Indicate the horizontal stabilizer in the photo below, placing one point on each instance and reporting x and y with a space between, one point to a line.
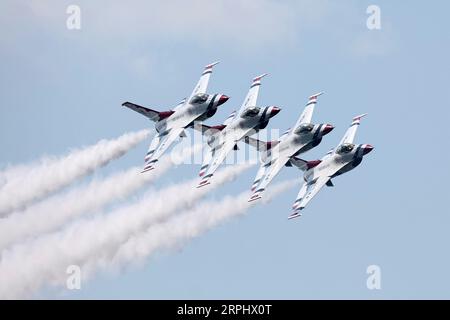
208 130
259 144
149 113
303 164
299 163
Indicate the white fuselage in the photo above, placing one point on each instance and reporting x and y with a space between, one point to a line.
240 127
292 144
335 164
185 114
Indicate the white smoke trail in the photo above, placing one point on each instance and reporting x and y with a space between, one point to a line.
53 212
26 184
179 229
25 267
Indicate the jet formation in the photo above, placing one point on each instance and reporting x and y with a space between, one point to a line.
222 139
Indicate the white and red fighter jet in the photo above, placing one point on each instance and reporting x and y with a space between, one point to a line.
171 124
318 173
224 138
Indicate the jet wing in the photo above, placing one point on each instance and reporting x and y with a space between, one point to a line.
351 131
307 113
202 84
307 192
159 145
252 95
265 175
259 177
216 157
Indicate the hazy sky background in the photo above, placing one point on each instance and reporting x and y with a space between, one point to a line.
62 89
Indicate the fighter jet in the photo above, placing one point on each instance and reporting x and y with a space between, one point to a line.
277 154
345 157
224 138
171 124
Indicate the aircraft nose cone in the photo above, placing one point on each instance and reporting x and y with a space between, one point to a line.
368 148
327 129
275 111
223 98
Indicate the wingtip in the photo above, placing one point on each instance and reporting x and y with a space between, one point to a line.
359 117
147 169
251 200
212 64
314 96
260 77
254 198
202 184
294 215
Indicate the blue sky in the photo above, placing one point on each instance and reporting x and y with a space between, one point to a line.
63 88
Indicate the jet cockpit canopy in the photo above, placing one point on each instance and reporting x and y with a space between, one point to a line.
304 128
345 148
199 98
251 112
